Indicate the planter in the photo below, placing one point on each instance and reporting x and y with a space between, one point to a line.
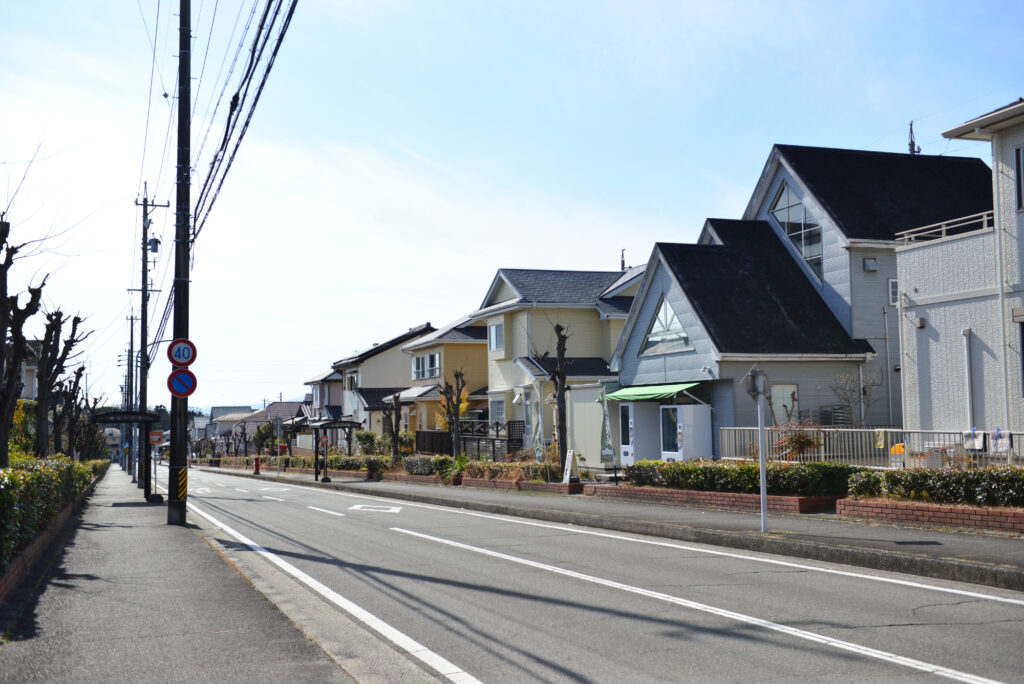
524 485
687 497
935 515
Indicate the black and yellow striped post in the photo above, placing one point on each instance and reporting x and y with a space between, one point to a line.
177 485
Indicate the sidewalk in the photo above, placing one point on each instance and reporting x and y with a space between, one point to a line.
133 599
992 559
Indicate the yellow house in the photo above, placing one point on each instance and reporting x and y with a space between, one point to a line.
462 346
520 310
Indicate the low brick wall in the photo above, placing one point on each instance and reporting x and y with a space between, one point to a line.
934 514
686 497
415 479
523 485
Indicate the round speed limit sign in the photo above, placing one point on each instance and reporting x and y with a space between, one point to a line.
181 352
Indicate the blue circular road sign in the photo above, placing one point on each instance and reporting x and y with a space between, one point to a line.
181 382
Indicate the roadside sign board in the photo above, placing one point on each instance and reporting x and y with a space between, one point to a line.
181 382
156 436
181 352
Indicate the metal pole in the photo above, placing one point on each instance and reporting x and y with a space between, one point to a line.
143 341
132 465
762 446
177 486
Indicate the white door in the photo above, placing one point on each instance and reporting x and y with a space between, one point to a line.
626 434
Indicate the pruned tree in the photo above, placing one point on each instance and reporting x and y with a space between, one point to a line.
13 345
53 356
856 392
451 404
74 406
392 419
558 375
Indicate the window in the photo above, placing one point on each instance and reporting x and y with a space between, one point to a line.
316 395
427 366
351 383
1018 181
894 292
803 231
666 334
625 434
496 337
497 410
784 403
669 429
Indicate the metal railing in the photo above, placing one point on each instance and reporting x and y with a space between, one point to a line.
959 226
878 448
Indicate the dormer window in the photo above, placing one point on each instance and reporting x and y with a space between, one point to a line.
803 231
666 334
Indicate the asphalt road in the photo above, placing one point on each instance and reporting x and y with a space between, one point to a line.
469 595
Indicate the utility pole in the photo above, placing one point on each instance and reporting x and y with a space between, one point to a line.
147 448
130 362
177 483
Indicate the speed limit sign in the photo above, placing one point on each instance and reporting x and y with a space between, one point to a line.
181 352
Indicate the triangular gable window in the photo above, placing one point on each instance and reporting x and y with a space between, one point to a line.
803 231
666 334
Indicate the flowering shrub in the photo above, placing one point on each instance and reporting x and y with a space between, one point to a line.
991 486
784 479
32 492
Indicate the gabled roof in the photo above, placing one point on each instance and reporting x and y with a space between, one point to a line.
874 195
327 376
373 397
459 331
218 411
624 280
283 410
982 127
576 367
752 297
369 353
534 286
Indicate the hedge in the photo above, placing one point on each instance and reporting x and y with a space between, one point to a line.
543 472
991 486
784 479
33 492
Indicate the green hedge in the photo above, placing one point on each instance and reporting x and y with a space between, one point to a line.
33 492
992 486
490 470
784 479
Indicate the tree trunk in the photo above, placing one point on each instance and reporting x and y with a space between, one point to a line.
561 333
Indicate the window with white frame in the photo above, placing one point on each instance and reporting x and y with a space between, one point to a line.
894 292
496 337
426 366
799 226
666 334
497 411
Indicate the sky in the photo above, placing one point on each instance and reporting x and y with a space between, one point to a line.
402 152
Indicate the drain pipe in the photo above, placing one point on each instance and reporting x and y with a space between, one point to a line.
966 332
999 275
888 361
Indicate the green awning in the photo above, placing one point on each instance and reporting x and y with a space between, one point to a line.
650 392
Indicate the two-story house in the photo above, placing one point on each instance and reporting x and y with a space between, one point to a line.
520 310
459 346
804 286
961 295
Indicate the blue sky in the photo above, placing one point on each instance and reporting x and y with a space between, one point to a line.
404 151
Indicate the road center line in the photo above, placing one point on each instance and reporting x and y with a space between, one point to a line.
415 649
241 490
721 612
272 498
685 547
324 510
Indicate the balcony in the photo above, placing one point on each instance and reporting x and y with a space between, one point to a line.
959 226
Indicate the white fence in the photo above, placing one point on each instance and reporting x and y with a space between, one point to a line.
880 448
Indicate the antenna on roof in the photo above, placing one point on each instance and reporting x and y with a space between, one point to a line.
914 149
622 260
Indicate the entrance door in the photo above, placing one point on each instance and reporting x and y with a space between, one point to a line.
626 434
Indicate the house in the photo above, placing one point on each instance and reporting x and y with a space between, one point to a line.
459 346
374 374
962 299
212 427
804 286
221 427
520 310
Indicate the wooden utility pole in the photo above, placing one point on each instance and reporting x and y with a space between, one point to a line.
177 484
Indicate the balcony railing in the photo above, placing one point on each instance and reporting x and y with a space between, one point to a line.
960 226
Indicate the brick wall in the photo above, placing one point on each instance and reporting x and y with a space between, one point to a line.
934 515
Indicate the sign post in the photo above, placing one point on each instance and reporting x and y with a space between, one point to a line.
756 384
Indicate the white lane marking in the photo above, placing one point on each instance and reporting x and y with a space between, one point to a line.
721 612
684 547
375 509
241 490
324 510
273 489
272 498
417 650
219 484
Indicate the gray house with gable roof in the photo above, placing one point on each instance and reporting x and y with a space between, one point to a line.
805 286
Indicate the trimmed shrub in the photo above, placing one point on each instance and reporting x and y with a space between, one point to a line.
784 479
374 464
367 440
418 465
991 486
541 472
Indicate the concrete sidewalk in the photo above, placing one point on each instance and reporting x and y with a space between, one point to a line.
993 559
133 599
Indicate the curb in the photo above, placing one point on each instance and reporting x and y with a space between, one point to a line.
1005 577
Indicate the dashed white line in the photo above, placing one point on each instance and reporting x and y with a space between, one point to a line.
272 498
324 510
721 612
241 490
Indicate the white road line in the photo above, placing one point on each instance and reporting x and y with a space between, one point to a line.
241 490
684 547
324 510
220 485
417 650
721 612
272 498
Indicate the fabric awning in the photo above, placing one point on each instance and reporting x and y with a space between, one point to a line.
650 392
